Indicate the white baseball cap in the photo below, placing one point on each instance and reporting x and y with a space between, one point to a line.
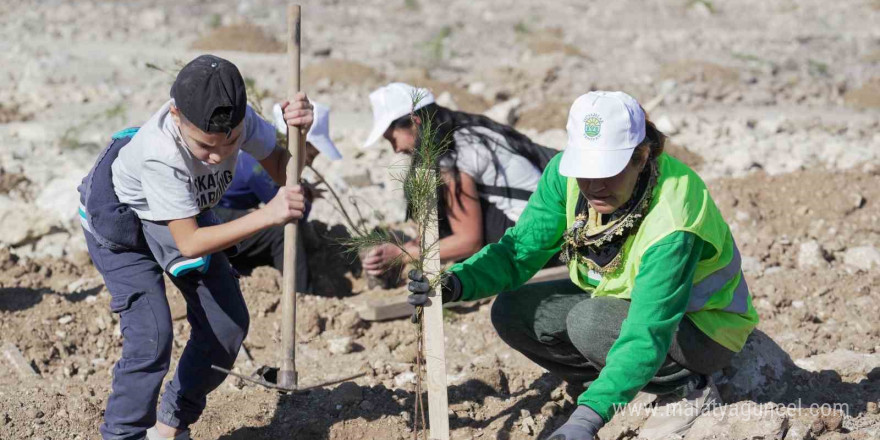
392 102
604 128
319 134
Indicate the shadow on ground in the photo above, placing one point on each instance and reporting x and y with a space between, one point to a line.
312 415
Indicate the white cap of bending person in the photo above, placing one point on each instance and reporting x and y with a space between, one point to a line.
604 128
319 134
392 102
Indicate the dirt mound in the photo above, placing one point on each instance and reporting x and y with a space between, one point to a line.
702 71
341 72
864 97
547 116
242 37
12 113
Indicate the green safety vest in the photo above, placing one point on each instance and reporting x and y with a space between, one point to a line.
720 304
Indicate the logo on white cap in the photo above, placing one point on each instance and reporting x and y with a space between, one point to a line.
392 102
592 126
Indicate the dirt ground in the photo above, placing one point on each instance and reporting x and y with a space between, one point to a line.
775 104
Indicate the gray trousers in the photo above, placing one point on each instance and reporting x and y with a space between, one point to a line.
563 329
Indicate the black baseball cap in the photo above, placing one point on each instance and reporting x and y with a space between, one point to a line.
205 85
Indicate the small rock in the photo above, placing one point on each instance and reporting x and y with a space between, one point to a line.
36 414
665 125
798 431
817 427
505 112
760 370
341 345
862 258
844 362
404 379
495 378
810 255
366 405
528 425
770 425
873 408
310 324
5 419
858 201
349 323
66 319
833 422
348 393
405 416
550 409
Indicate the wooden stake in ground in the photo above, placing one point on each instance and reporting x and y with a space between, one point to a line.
435 350
287 375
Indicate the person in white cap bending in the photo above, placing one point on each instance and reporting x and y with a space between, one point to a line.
656 299
252 185
489 171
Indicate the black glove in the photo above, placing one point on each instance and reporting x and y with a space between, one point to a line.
419 287
583 424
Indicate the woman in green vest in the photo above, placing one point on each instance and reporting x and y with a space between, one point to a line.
656 299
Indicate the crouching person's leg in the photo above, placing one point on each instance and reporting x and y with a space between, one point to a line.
682 383
532 321
219 319
137 293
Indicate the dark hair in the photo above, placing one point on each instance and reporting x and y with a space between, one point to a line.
445 122
221 120
655 140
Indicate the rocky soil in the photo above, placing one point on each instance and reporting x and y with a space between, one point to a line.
777 105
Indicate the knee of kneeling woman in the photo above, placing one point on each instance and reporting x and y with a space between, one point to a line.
502 316
594 324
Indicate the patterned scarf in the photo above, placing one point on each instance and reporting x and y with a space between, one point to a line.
599 244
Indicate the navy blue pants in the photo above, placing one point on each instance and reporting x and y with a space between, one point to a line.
219 319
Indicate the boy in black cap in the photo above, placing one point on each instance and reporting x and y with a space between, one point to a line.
145 210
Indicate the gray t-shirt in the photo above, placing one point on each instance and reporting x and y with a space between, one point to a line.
160 179
493 166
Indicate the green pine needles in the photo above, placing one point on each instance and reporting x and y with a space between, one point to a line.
420 183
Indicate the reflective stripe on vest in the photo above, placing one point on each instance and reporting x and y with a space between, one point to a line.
703 291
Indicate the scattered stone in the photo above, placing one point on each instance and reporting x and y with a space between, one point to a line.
817 427
798 431
761 424
811 255
844 362
21 223
5 419
873 408
494 378
761 370
665 125
404 379
862 258
349 323
505 112
550 409
66 319
528 425
833 421
347 393
311 324
341 345
366 405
